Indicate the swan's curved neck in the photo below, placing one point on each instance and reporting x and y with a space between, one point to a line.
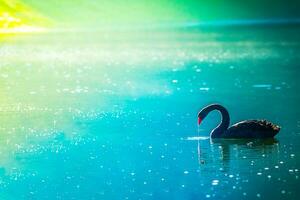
225 120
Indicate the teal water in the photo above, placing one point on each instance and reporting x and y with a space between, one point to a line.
105 115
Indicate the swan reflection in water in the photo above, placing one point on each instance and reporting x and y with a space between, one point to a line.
219 152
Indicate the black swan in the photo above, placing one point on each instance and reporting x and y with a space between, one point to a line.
243 129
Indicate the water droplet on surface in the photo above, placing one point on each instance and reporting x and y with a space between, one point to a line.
258 195
215 182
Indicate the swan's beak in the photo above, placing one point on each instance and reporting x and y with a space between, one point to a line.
199 120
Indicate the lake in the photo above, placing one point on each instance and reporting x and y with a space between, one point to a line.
113 114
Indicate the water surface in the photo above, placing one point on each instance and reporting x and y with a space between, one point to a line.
100 115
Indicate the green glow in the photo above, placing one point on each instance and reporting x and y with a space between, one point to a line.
130 12
118 13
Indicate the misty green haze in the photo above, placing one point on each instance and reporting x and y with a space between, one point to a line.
118 12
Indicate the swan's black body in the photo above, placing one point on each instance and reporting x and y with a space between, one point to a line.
243 129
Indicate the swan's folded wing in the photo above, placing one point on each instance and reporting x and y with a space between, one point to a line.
253 128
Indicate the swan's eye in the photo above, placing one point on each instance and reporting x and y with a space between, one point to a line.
199 120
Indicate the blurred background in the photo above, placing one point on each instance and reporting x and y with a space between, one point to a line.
101 14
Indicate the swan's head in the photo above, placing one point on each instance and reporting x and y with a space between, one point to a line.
202 114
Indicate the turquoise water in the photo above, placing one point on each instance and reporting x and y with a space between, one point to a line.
104 115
